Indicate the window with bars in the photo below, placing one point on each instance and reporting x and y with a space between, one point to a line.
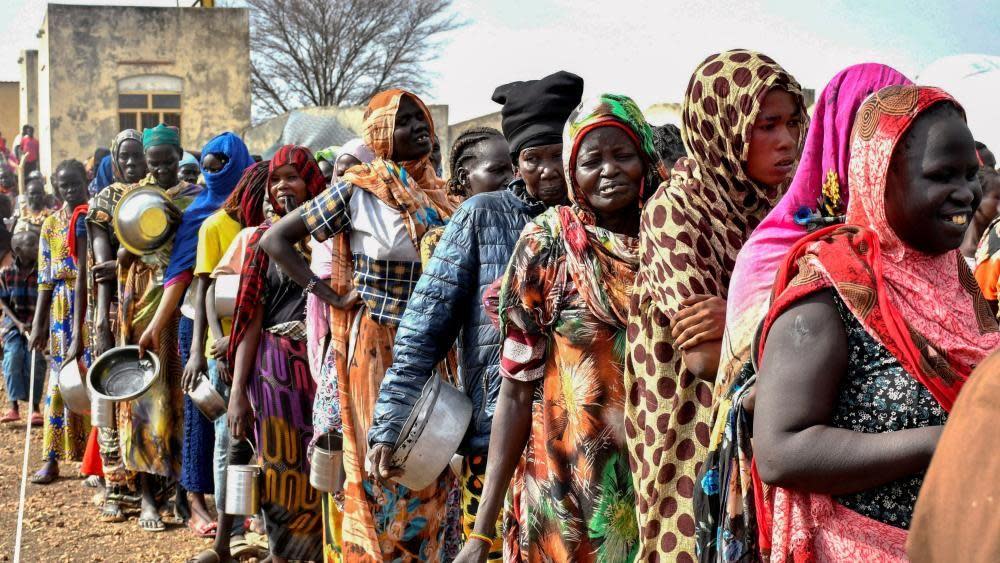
142 110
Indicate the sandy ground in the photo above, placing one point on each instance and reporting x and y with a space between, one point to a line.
61 522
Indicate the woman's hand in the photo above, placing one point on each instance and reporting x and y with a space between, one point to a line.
220 348
239 415
39 338
347 301
222 366
196 365
381 457
475 551
74 351
150 339
702 318
106 271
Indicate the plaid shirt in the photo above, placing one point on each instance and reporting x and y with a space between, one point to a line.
383 285
19 289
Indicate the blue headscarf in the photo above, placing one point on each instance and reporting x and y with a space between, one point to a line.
218 186
104 177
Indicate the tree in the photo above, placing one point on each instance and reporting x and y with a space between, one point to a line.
337 52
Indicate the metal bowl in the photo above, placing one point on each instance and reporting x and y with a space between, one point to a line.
207 399
120 375
144 220
425 449
74 388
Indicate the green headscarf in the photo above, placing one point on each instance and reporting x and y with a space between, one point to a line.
160 135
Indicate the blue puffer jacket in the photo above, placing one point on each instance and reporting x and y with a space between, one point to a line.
447 303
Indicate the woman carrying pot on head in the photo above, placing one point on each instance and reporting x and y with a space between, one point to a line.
385 207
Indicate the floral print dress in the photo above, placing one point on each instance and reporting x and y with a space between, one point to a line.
571 496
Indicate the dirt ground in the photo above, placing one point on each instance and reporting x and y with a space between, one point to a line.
61 522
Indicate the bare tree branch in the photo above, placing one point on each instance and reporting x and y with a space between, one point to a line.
340 52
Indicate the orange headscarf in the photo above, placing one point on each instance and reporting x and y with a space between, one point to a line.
412 187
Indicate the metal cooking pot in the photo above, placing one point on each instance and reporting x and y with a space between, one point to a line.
207 399
102 413
226 287
145 219
120 375
425 449
326 468
74 388
243 489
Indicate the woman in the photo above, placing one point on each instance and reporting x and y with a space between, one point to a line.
52 330
479 163
128 166
224 159
563 310
892 324
743 126
386 207
271 371
150 427
817 197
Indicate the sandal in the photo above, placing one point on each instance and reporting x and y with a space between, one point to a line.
111 512
207 556
152 524
240 549
10 416
37 420
43 477
206 530
94 482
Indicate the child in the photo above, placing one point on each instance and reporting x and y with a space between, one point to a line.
18 293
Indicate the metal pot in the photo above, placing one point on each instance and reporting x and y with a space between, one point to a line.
226 287
102 413
120 375
207 399
74 389
326 471
243 489
145 219
425 449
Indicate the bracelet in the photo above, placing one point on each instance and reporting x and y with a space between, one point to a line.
483 537
311 285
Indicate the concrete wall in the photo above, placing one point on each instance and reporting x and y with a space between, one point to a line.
10 111
28 105
86 50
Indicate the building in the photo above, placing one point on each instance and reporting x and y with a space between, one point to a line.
10 117
101 69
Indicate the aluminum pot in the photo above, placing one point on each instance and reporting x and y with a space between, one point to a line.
207 399
102 413
243 489
145 219
424 448
226 287
326 470
74 389
120 375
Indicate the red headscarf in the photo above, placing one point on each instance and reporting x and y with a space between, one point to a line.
251 292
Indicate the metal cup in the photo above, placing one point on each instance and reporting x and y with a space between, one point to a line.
102 413
243 490
207 399
326 472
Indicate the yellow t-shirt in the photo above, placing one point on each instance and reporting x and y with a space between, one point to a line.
214 237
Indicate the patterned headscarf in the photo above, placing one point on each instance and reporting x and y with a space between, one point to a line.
116 144
412 188
927 311
820 183
602 263
251 292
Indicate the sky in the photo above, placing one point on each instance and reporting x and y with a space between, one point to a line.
647 49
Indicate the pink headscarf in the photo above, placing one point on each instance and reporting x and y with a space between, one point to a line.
824 162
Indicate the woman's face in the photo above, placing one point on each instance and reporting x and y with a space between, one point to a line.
987 210
162 161
541 169
71 187
189 173
411 138
214 163
326 169
132 161
609 171
35 194
774 140
932 189
490 168
286 182
344 162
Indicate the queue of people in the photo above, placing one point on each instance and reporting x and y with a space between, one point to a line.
737 340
